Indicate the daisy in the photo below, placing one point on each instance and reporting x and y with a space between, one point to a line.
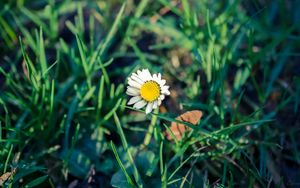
146 90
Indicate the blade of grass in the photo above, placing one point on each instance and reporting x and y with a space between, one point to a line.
25 32
42 55
37 181
184 162
89 94
129 180
110 113
84 60
113 30
70 115
100 94
52 96
49 68
8 30
8 158
136 174
163 168
36 19
104 72
0 131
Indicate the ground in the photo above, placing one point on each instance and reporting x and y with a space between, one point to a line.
231 119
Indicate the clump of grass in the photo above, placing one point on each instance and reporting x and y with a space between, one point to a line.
63 114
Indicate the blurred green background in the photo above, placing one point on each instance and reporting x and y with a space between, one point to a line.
63 73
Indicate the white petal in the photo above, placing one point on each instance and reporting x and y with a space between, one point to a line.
139 104
140 73
155 77
149 107
159 101
134 84
134 100
159 76
137 79
166 92
131 94
147 74
162 97
135 74
156 80
162 82
155 104
132 91
165 87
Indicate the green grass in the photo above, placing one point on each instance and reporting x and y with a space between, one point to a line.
63 75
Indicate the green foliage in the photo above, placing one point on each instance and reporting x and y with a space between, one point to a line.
63 114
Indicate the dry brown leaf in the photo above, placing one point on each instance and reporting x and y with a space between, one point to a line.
178 129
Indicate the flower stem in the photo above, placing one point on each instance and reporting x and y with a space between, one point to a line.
149 133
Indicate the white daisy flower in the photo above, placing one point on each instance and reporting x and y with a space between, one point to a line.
146 90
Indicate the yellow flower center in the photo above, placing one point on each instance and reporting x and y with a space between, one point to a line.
150 91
